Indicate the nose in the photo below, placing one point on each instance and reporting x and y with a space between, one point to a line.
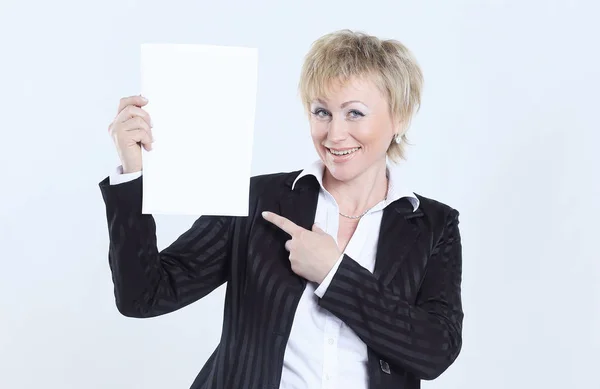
338 131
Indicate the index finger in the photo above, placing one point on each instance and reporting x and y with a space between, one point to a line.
131 100
285 224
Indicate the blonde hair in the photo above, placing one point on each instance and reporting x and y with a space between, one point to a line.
340 55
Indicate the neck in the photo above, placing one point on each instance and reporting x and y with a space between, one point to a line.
362 192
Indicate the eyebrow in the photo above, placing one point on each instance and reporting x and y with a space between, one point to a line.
344 104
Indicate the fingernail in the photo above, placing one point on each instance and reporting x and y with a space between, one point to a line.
143 98
264 214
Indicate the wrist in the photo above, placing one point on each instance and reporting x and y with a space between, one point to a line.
131 169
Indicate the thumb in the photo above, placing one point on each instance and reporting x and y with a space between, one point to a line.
316 228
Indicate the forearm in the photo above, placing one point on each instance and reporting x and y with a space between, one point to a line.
421 342
134 261
151 283
423 338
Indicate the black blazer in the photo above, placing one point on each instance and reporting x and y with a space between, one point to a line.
408 312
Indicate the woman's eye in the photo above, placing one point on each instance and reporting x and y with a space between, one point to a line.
320 112
355 114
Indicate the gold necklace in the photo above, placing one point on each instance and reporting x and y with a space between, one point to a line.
365 212
356 217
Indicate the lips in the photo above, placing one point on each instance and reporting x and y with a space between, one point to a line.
344 151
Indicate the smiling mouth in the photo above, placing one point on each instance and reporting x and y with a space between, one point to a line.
343 152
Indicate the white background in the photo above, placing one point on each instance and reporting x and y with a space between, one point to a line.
508 134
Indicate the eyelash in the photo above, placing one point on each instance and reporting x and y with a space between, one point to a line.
319 110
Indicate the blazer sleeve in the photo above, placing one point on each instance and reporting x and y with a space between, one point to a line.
148 282
423 339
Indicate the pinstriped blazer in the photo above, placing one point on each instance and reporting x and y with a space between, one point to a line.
408 311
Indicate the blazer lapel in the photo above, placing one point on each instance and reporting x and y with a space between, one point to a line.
300 205
398 233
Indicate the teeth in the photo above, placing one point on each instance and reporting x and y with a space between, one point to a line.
345 152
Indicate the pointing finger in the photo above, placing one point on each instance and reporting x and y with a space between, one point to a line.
285 224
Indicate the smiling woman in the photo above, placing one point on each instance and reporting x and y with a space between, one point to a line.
340 59
350 136
341 276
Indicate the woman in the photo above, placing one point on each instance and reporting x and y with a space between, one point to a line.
339 277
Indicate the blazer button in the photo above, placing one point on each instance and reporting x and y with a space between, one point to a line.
385 367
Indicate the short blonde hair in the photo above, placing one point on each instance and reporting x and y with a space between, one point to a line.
343 54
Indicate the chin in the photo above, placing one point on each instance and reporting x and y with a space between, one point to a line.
343 170
337 173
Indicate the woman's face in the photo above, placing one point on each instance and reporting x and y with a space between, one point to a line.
352 128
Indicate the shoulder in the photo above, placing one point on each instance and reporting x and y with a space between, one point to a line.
433 207
437 214
273 180
272 184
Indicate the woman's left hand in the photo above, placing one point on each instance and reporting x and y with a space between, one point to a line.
312 253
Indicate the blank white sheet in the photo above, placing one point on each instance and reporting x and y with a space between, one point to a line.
202 101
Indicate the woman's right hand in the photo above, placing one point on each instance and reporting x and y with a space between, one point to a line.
131 129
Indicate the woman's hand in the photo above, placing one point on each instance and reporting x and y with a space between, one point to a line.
131 128
312 253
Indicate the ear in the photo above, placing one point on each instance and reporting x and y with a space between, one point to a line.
397 126
400 127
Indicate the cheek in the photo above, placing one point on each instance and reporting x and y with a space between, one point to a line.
375 133
370 135
318 131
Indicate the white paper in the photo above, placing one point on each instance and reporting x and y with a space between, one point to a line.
202 101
